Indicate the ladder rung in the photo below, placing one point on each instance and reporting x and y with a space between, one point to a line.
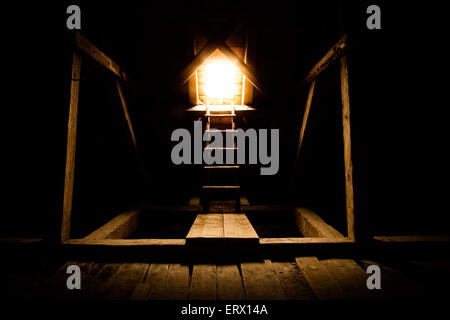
220 130
220 148
222 187
223 115
221 167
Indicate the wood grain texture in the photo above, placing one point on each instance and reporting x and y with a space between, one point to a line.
311 225
237 226
261 281
177 283
320 280
119 227
207 226
350 277
71 148
203 283
156 280
229 283
293 281
122 283
331 56
347 149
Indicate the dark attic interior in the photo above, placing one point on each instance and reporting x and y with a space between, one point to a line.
148 203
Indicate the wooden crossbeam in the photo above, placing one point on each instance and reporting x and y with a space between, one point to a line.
199 60
243 67
331 56
71 147
95 53
218 43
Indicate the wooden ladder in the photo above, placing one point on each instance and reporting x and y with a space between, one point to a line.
221 179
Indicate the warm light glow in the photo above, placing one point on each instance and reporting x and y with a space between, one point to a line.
220 79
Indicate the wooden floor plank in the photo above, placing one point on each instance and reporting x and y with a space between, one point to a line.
350 277
123 281
293 281
94 287
320 280
394 283
153 286
229 283
237 226
261 282
203 283
207 226
177 283
57 283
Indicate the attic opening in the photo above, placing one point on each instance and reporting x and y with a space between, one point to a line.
222 82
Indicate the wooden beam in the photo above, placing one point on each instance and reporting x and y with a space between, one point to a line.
21 241
301 241
118 228
412 239
229 283
125 242
332 55
71 147
199 60
305 118
350 277
261 282
95 53
320 280
125 111
311 225
237 226
177 282
243 67
206 226
203 283
347 149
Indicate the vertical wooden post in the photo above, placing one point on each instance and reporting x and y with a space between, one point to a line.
125 111
305 118
347 149
71 147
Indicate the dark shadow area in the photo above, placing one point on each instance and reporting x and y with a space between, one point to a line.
167 225
276 225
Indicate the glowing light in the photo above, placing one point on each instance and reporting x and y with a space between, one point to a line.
220 79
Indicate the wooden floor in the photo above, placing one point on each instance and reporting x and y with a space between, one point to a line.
302 278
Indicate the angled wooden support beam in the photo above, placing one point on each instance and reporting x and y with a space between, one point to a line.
305 118
71 147
130 125
95 53
245 68
331 56
199 60
125 111
347 149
